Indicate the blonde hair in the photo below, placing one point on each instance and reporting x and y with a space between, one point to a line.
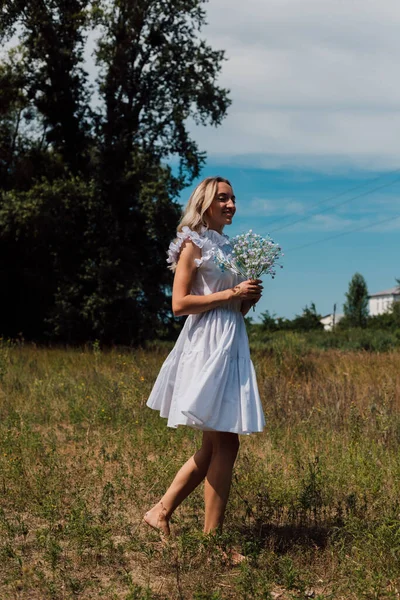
200 200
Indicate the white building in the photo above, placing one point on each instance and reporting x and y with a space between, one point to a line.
330 320
381 302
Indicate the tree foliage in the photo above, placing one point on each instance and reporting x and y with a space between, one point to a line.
356 306
88 203
389 319
309 320
269 322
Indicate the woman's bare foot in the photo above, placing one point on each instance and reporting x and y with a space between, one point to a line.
235 558
232 557
156 518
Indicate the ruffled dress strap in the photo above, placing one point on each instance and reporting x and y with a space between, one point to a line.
175 247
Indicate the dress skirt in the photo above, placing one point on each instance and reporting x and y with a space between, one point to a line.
208 380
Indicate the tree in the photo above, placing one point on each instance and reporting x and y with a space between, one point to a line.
14 109
309 320
43 237
389 319
155 74
52 43
356 306
89 202
268 321
249 324
45 141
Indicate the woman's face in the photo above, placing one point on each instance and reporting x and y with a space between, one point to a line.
222 208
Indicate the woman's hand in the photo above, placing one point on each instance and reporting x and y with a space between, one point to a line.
248 290
185 303
250 293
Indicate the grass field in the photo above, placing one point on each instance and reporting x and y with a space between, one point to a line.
315 503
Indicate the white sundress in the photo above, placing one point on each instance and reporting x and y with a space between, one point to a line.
208 380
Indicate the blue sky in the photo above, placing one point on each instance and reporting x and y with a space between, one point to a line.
269 201
315 112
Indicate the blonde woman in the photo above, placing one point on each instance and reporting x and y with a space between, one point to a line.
208 380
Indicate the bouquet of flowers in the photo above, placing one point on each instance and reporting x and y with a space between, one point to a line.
252 256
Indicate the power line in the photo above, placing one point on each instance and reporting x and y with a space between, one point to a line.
330 198
356 187
332 237
380 187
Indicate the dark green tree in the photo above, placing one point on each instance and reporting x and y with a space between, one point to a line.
155 75
88 203
52 39
14 109
309 320
45 142
43 235
355 308
389 319
249 324
268 321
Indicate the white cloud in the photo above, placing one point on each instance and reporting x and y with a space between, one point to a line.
331 223
341 223
314 83
311 80
268 206
334 215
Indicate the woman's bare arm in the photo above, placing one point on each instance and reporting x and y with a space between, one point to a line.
246 306
185 303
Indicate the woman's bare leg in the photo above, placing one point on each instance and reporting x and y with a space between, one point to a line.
186 480
225 447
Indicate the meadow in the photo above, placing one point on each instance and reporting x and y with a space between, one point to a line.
315 501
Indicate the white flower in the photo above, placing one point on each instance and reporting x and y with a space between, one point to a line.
252 256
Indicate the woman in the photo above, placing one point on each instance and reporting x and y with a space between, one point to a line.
208 380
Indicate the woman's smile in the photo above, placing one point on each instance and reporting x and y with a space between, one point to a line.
222 209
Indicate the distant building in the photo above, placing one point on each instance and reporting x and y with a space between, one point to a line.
328 323
381 302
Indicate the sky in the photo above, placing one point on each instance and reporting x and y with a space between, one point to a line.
311 142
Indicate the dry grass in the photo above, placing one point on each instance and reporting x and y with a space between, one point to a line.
314 505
